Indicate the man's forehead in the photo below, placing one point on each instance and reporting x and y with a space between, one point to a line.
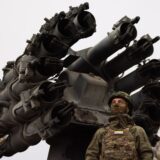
118 98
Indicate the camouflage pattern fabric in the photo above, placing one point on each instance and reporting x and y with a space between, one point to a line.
144 150
118 145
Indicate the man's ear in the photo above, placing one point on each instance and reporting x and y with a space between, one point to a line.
127 110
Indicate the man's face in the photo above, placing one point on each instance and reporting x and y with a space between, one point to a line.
119 105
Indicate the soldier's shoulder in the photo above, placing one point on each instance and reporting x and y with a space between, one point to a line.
138 129
100 130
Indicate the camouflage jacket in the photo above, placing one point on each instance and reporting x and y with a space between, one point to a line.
143 147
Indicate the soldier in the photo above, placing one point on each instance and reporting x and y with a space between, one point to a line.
121 139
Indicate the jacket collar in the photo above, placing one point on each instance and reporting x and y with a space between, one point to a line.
119 121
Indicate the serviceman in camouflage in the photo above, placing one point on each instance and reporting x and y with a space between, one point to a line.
121 139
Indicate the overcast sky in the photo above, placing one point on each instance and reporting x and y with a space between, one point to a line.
22 18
